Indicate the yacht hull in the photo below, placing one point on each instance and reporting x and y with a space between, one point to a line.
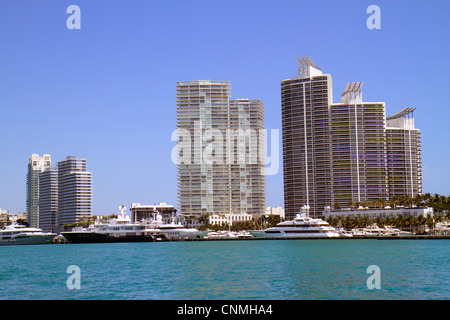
292 235
94 237
28 240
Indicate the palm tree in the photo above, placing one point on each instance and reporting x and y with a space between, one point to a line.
417 200
429 221
382 203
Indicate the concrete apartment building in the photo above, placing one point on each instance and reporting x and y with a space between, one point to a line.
57 195
74 191
36 164
358 149
404 157
221 149
341 153
48 199
305 101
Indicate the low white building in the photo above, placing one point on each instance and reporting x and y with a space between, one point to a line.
229 218
147 212
5 217
277 211
378 213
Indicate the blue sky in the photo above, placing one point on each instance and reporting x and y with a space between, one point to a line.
107 92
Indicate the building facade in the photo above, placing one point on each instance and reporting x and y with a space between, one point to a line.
341 154
221 149
305 103
36 165
48 199
358 149
404 158
74 190
379 213
148 212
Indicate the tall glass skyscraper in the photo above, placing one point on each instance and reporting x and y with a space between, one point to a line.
221 150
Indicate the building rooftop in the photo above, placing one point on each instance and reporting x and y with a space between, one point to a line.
401 114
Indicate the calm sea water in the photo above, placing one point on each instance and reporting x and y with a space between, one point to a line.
266 269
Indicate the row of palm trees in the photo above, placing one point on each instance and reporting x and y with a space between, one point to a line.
87 221
261 222
440 203
414 224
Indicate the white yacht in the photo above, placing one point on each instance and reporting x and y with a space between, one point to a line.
228 235
302 226
171 231
120 229
344 233
375 231
442 228
18 234
392 231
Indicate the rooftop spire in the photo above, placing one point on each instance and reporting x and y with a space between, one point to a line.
307 68
352 93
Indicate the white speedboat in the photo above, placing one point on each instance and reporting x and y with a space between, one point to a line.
219 235
373 230
344 233
442 228
302 226
171 231
15 234
392 231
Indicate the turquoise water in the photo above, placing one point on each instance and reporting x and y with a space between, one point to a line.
265 269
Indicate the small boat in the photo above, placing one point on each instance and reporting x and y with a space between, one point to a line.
216 235
244 234
16 234
442 228
344 233
373 230
392 231
171 231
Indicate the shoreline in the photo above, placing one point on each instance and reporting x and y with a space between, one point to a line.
414 237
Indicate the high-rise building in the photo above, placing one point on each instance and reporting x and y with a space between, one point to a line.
305 102
36 165
221 145
404 154
337 154
358 149
48 199
74 190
